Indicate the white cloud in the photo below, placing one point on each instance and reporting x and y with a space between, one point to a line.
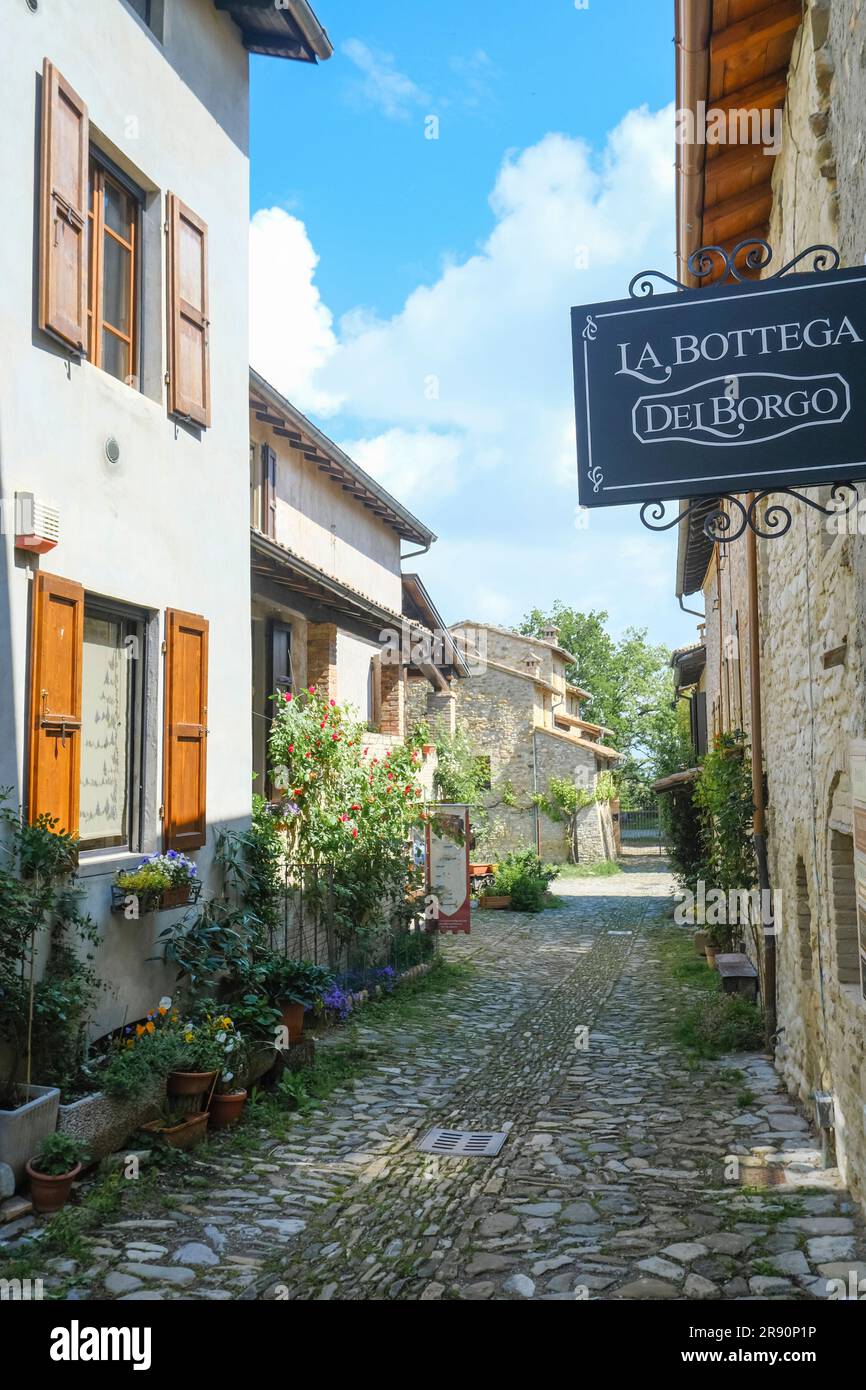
382 85
464 398
291 330
415 466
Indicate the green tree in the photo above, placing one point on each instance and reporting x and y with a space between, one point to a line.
632 693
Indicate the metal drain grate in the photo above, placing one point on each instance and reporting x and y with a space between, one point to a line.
463 1143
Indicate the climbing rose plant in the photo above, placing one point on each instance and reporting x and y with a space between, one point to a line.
346 804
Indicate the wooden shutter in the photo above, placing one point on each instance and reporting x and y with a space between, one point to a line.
188 324
185 736
269 491
63 211
56 654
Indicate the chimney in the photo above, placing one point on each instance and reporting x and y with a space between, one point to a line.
550 633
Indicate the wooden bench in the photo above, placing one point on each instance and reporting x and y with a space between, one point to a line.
738 974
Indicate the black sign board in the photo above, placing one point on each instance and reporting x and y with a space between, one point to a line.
730 389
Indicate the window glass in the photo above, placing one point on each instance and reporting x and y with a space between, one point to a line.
110 728
115 285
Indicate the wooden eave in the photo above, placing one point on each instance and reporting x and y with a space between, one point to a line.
315 448
740 62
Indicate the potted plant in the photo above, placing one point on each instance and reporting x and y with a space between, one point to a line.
179 1130
494 900
294 986
159 882
36 894
53 1171
523 879
198 1057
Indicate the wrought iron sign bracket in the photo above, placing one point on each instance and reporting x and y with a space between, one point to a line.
729 522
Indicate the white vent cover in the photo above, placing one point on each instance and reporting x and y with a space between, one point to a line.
37 523
463 1143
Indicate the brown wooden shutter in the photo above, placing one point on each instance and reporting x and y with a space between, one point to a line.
56 654
269 491
185 736
63 211
188 324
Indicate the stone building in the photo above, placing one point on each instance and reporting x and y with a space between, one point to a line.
524 719
810 613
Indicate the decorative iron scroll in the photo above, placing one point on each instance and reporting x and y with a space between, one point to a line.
707 260
722 525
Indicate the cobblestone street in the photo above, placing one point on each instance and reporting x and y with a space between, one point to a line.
610 1183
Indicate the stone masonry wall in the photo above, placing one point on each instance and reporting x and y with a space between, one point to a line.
813 600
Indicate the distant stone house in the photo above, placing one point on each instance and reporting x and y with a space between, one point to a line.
522 715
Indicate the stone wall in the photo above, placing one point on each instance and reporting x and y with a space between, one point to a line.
812 601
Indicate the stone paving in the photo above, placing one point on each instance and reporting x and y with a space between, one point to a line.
615 1180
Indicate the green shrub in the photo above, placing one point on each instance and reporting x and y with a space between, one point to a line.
718 1023
525 878
58 1155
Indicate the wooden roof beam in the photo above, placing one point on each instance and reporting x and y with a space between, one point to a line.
750 35
754 203
767 94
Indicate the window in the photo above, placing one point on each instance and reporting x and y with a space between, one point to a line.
113 273
111 728
142 9
844 899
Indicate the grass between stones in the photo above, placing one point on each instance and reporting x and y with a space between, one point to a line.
711 1023
601 868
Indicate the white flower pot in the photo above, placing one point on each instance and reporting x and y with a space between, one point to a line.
23 1130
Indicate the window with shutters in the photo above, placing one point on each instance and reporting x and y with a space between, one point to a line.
185 732
112 727
86 714
113 223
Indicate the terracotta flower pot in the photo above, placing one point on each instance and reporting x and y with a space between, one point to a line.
700 940
189 1083
49 1192
293 1019
185 1135
226 1109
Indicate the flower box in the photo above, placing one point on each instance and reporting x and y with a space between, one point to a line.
23 1129
184 896
185 1135
495 900
104 1123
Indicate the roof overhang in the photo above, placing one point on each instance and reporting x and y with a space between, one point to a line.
688 664
694 547
313 446
281 576
731 65
677 779
419 607
288 29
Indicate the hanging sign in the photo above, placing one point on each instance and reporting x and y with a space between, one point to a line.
727 389
448 839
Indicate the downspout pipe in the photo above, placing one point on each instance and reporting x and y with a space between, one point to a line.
693 30
759 828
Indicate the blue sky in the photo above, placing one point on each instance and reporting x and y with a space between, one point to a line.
412 294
